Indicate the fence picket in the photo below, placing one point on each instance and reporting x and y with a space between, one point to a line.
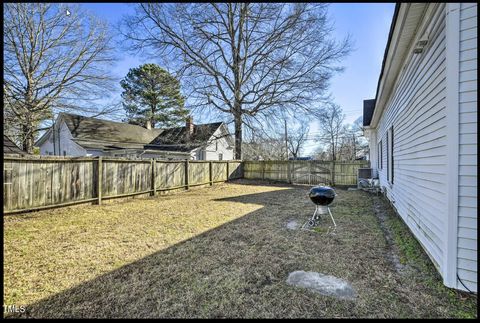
305 172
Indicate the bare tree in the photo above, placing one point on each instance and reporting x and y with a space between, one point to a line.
264 143
242 59
351 141
331 120
297 138
52 61
261 148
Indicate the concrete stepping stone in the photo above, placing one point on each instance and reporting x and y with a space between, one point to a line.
293 225
323 284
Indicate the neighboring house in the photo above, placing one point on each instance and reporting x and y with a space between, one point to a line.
75 135
11 149
422 130
362 154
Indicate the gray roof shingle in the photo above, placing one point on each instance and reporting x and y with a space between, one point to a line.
87 128
102 134
9 147
176 139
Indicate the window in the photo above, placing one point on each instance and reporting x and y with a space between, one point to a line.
64 153
216 145
388 164
390 155
220 156
391 152
379 155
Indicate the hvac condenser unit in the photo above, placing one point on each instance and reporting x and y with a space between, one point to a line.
364 174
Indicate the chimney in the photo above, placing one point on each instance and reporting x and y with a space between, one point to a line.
189 126
148 125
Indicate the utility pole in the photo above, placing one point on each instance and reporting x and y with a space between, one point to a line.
354 147
286 140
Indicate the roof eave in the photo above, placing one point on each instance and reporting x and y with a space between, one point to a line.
392 60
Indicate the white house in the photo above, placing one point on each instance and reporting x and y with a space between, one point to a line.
75 135
422 130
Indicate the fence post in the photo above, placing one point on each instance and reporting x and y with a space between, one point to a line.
186 175
154 177
333 172
210 171
263 170
228 171
289 172
99 180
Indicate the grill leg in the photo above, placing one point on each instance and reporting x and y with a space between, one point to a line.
313 220
333 220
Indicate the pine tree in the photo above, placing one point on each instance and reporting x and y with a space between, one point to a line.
151 97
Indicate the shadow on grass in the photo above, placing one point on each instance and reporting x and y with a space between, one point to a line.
214 274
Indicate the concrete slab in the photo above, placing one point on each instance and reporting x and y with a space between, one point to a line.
293 225
323 284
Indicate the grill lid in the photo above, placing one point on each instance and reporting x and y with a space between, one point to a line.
322 195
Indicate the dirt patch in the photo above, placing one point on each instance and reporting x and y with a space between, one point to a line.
391 252
417 278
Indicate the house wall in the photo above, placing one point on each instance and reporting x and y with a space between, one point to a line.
63 142
212 151
429 153
47 146
467 176
417 111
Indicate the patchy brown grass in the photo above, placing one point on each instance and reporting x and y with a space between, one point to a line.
216 252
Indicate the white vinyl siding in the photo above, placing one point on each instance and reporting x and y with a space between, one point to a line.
219 146
417 108
467 178
64 145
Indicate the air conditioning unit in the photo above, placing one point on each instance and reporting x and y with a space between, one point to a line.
366 181
364 176
364 173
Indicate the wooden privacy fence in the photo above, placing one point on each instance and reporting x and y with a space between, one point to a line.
305 171
35 183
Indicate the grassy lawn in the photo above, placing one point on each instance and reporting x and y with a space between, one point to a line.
222 251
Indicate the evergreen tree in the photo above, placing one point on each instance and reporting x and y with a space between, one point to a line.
152 96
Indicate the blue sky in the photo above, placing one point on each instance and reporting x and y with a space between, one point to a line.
367 24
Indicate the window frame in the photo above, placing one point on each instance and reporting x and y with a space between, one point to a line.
390 164
380 155
391 153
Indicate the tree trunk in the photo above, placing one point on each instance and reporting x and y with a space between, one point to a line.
238 136
28 139
152 118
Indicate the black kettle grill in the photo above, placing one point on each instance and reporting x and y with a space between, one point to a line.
321 196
